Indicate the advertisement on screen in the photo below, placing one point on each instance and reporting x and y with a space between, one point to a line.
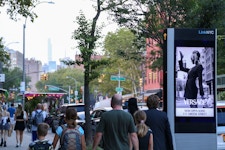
194 82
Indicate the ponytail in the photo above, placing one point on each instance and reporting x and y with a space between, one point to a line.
142 129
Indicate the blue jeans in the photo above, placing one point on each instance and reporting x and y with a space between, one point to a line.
34 135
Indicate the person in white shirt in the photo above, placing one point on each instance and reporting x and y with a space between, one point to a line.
4 125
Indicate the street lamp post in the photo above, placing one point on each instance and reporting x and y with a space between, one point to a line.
75 83
24 39
143 75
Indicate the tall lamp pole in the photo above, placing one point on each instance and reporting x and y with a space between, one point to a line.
23 83
75 83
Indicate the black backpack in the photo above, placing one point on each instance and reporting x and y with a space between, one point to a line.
41 145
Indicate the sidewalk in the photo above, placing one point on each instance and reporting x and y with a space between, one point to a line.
11 141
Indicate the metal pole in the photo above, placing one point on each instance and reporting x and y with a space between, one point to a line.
143 78
119 82
69 95
75 89
24 74
1 84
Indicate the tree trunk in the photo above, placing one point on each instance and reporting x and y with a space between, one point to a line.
88 128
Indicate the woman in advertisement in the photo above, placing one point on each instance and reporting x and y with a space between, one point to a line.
194 73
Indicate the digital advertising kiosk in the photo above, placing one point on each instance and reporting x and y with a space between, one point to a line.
190 87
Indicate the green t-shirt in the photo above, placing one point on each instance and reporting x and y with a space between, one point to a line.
115 126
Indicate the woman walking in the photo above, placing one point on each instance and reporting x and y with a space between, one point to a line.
20 117
145 135
4 125
71 135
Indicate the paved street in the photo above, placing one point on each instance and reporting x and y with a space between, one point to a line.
11 141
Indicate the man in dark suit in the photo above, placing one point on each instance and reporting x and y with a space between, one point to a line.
159 123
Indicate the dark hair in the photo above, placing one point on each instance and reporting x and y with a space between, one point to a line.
12 104
132 105
153 101
197 53
42 129
71 116
116 100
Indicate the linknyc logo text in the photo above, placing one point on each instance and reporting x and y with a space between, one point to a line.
206 32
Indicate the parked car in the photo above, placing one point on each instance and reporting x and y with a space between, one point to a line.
141 106
58 119
97 113
220 125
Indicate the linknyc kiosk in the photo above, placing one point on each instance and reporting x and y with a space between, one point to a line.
190 87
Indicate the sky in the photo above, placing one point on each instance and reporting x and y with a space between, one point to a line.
55 22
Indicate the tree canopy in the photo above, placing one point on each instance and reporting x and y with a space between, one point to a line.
148 19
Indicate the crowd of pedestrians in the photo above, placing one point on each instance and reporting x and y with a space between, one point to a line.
117 130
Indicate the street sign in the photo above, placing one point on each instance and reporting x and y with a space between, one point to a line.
2 77
119 89
117 78
53 88
22 86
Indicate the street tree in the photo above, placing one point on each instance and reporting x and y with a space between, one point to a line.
87 35
148 19
125 57
13 78
59 79
4 56
221 55
19 8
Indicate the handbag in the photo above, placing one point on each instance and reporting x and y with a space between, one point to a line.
24 115
8 120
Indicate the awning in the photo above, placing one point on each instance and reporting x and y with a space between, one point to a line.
4 93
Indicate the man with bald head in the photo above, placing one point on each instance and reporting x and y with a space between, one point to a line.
116 128
36 112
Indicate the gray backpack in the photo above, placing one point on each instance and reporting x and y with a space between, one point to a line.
38 118
70 138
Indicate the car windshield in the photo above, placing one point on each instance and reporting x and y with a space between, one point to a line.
79 108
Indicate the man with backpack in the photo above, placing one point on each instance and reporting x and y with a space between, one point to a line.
38 116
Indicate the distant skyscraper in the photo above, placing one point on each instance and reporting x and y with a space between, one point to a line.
49 50
45 68
52 66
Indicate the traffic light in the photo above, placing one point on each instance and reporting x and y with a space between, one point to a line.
71 91
140 82
44 76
